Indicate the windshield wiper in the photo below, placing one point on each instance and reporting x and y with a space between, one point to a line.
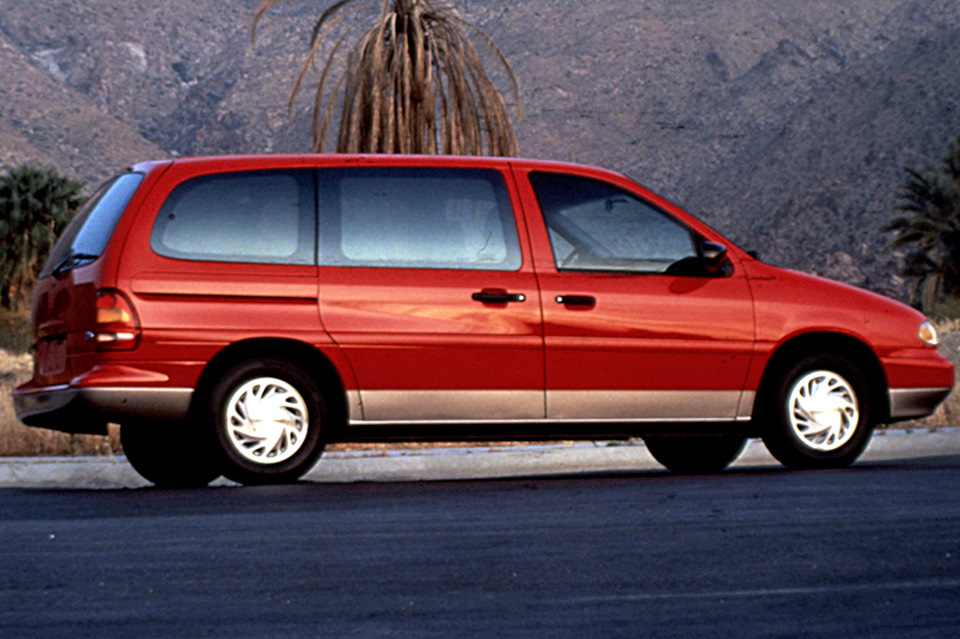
70 261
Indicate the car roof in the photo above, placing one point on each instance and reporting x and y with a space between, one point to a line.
278 160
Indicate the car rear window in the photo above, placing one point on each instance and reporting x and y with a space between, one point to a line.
252 216
417 218
87 234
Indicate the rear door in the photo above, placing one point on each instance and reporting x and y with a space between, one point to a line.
425 287
634 329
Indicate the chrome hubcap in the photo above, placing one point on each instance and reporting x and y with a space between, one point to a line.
824 410
267 420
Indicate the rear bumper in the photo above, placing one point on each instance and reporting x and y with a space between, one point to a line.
911 403
88 410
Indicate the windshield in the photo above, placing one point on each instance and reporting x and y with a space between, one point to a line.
88 232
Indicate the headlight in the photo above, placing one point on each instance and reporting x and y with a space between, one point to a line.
928 334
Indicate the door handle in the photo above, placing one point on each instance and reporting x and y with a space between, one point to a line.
576 300
498 297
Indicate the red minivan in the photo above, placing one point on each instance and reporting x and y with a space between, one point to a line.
236 314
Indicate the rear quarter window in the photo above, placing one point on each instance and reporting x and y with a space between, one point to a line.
252 216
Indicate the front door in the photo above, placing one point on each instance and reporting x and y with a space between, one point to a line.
635 328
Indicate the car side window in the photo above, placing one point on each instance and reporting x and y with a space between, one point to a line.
255 216
595 226
417 218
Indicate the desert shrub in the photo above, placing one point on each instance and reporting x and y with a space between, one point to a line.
35 204
15 334
929 229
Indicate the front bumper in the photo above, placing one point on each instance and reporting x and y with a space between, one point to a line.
912 403
88 410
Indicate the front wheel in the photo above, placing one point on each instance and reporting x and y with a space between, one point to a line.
692 455
817 413
267 417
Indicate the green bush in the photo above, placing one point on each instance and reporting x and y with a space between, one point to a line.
929 229
35 204
15 333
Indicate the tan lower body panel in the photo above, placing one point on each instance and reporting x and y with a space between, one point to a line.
497 406
908 403
449 405
658 405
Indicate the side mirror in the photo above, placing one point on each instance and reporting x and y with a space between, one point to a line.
713 254
714 259
711 262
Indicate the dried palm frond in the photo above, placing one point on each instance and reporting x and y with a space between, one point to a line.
413 82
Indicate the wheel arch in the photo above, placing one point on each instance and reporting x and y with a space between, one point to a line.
840 344
307 357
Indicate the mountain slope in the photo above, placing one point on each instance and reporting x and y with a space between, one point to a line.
785 124
43 121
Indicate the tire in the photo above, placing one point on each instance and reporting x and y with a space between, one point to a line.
169 455
267 417
817 413
693 455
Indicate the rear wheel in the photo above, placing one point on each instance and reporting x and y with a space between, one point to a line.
170 455
817 413
267 416
699 454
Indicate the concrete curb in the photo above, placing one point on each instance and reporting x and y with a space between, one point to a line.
463 462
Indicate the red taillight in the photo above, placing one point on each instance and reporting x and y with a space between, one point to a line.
117 326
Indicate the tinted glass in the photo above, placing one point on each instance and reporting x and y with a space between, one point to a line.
417 218
87 234
599 227
261 216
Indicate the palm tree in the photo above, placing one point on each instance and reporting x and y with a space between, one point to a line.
412 82
35 204
930 228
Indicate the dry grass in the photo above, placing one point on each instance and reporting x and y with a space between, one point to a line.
18 440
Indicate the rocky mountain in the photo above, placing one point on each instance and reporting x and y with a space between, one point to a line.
786 125
44 121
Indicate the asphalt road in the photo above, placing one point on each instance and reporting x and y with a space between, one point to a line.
871 551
